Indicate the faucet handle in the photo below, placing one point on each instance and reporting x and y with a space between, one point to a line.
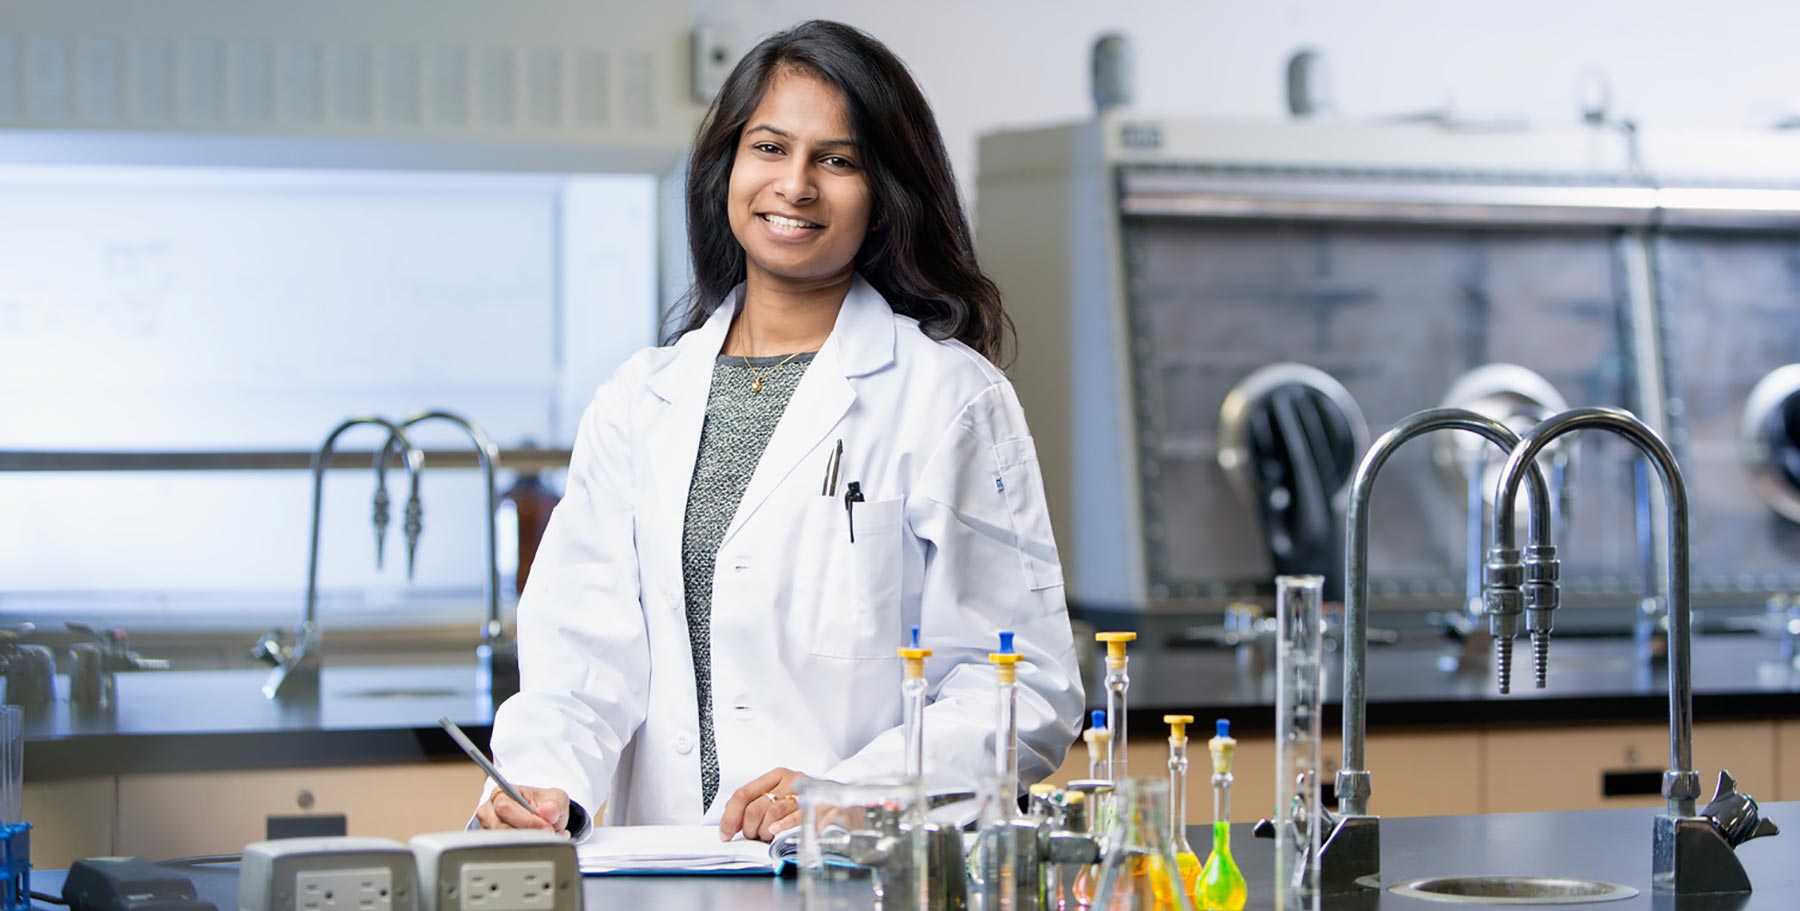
270 647
1736 813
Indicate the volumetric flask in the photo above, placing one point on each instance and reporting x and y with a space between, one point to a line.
1140 872
1299 696
861 842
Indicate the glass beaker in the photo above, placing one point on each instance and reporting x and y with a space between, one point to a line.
1140 872
12 764
861 841
1299 696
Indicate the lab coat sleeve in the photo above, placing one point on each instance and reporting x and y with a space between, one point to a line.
990 565
584 660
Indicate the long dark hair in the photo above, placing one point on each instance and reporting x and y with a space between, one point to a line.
919 252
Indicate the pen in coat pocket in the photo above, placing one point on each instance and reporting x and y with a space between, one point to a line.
852 496
829 488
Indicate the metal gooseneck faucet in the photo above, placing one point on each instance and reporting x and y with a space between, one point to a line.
1681 784
296 673
497 656
1352 850
1689 853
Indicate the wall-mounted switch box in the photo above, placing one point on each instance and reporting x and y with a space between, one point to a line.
498 870
714 54
345 873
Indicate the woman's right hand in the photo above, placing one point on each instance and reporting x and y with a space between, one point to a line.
502 812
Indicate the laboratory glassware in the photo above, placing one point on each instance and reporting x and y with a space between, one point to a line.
1099 744
1117 683
912 696
858 842
12 764
1138 873
1187 864
994 861
1299 694
1222 886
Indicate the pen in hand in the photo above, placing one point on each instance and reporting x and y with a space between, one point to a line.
469 747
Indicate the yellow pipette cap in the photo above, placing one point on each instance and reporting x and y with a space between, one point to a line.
1005 659
1115 647
1222 746
1178 727
914 656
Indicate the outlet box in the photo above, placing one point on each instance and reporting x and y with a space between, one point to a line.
365 889
343 873
524 886
715 54
497 870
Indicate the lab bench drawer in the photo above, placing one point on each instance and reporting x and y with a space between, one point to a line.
1617 766
181 814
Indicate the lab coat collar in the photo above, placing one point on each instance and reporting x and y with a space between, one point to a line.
861 342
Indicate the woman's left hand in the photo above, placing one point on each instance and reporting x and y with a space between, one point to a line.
763 807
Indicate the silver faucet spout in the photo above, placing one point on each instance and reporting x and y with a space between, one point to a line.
1681 784
296 672
1353 786
496 655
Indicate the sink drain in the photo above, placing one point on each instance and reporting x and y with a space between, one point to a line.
1513 890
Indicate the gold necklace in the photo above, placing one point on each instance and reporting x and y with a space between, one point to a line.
756 378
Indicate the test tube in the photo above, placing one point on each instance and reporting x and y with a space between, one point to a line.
1117 683
1299 694
912 697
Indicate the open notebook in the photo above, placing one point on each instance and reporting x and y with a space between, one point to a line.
681 850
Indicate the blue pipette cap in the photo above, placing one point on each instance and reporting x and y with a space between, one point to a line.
1223 726
1006 638
1098 719
915 637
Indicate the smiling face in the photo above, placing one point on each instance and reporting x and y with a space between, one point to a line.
798 201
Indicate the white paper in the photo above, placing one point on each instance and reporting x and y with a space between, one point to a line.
670 849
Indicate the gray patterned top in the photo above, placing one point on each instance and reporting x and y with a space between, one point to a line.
737 429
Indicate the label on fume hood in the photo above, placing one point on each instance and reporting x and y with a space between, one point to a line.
1140 136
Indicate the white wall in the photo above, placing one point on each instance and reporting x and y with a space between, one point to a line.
1007 63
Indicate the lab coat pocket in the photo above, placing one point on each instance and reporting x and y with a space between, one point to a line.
855 603
1022 482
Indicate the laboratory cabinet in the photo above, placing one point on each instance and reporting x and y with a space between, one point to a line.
161 815
70 818
1787 756
1594 767
1497 770
1416 773
182 814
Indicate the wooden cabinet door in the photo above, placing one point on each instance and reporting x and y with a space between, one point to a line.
1617 766
181 814
70 819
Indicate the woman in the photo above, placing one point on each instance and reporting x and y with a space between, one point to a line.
825 457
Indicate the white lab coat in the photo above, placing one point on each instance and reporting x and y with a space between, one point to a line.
954 537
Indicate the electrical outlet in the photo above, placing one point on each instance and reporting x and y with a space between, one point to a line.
520 886
715 53
366 889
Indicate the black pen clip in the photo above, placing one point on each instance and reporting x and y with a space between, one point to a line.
852 496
